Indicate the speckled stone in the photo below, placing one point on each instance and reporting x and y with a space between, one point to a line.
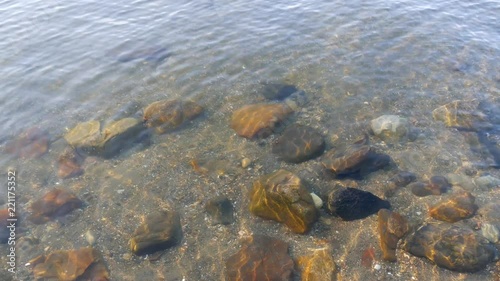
167 115
280 196
260 258
318 266
391 227
452 247
299 143
160 230
53 204
258 120
458 207
352 203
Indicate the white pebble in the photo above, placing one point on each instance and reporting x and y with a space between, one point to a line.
377 266
318 203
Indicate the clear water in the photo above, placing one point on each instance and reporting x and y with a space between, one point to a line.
65 62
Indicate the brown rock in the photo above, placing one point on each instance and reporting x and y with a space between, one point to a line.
70 265
258 120
69 164
299 143
452 247
391 227
53 204
86 135
260 258
32 143
159 231
401 179
319 266
280 196
458 207
436 185
167 115
461 114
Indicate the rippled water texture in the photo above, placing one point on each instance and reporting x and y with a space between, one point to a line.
66 62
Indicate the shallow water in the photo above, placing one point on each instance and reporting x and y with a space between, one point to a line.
65 62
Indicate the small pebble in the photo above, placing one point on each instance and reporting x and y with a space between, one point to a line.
377 266
89 237
318 203
245 162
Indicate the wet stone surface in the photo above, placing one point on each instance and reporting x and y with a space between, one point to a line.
298 143
220 210
69 164
32 143
461 114
401 179
318 266
55 203
451 246
458 207
258 120
260 258
280 196
167 115
436 185
391 227
352 203
81 264
391 128
159 231
277 91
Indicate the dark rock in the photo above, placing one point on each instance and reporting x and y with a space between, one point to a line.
168 115
401 179
220 209
260 258
276 91
391 227
55 203
456 208
439 183
452 247
352 204
299 143
258 120
32 143
436 185
159 231
280 196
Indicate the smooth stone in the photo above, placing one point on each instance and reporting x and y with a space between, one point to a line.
55 203
86 135
159 231
318 202
69 164
458 207
491 213
260 258
318 266
299 143
461 114
32 143
391 127
487 182
391 227
461 180
352 203
401 179
258 120
452 247
277 91
281 196
167 115
490 232
120 135
297 100
220 209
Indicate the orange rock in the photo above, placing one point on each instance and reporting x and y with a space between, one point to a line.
391 227
318 266
69 164
53 204
258 120
167 115
458 207
34 142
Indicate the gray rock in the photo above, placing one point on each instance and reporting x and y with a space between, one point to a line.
487 182
391 128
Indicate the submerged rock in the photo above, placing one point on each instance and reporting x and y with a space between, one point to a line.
167 115
461 114
258 120
299 143
53 204
86 136
280 196
452 247
317 266
81 264
260 258
277 91
436 185
160 230
391 227
69 164
456 208
391 128
220 209
352 203
32 143
401 179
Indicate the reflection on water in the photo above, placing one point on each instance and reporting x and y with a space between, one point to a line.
421 78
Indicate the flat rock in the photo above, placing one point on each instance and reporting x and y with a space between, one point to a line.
458 207
69 164
451 246
260 258
436 185
120 135
299 143
391 128
167 115
391 227
258 120
461 114
86 135
53 204
159 231
70 265
220 209
280 196
352 203
32 143
318 266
